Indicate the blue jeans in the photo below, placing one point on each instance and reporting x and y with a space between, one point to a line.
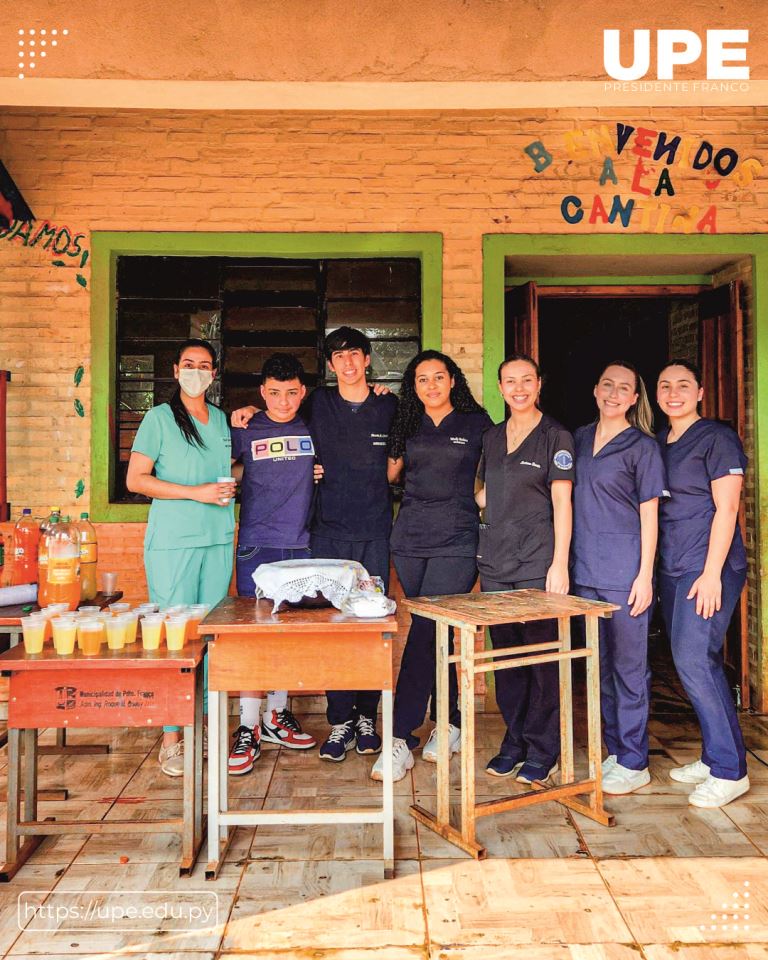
248 558
697 649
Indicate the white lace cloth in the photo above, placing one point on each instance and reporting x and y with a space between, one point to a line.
292 580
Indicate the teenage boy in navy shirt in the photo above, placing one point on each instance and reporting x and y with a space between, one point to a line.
352 518
278 456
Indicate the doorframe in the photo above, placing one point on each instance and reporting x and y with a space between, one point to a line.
496 247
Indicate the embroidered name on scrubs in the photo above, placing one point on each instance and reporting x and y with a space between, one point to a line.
282 448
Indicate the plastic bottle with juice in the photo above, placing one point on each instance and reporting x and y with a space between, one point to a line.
26 545
63 566
42 555
88 558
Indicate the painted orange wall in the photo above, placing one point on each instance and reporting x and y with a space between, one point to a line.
364 40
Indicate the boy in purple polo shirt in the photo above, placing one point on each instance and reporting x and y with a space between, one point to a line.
278 458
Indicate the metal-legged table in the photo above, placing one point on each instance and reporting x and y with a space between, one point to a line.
312 649
468 613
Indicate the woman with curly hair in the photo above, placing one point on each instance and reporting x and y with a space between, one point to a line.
436 438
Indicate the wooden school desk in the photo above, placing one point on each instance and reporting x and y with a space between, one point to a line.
468 613
131 687
310 649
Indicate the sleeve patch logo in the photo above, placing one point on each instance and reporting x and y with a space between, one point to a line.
736 472
563 460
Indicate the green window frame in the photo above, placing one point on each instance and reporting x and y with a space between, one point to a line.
106 247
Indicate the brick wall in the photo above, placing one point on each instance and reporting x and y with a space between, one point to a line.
461 174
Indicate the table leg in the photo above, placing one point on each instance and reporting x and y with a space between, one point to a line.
214 770
443 774
188 801
467 692
13 799
223 771
388 798
566 703
30 774
594 749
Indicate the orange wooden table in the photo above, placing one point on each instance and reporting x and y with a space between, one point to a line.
132 687
10 624
310 649
468 613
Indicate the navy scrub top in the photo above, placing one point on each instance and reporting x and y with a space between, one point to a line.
610 486
517 541
438 515
353 500
706 451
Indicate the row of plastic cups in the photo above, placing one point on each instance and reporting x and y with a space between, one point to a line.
178 624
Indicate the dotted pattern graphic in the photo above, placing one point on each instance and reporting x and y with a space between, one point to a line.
34 44
733 916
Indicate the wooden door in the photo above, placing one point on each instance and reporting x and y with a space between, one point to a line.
521 326
721 356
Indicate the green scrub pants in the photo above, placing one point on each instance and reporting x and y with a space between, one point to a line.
189 575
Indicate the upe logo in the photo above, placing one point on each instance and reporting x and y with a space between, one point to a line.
677 48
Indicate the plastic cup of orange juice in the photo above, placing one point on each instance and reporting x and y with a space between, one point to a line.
89 632
89 609
131 626
116 631
176 631
64 633
196 613
33 630
117 608
151 631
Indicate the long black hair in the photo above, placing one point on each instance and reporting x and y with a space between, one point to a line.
410 409
184 422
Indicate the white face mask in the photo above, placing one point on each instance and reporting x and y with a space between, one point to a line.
195 382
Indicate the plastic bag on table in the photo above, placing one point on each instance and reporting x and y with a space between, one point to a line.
368 604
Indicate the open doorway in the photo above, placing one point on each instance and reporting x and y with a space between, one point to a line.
574 330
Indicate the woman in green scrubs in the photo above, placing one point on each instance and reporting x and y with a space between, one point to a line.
180 449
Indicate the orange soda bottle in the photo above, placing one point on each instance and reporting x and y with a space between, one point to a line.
88 558
26 543
42 556
63 568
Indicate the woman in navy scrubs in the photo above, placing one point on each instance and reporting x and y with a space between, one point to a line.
619 481
702 571
528 474
437 438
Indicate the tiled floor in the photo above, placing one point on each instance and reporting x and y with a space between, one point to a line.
668 882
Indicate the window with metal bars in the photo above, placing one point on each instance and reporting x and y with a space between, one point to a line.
249 308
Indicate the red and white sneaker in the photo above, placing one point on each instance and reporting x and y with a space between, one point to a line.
245 751
282 727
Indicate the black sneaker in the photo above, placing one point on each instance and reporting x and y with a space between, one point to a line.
531 772
368 741
503 766
246 748
341 739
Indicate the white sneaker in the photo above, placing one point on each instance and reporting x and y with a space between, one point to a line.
608 764
621 779
402 761
429 753
715 792
172 759
696 772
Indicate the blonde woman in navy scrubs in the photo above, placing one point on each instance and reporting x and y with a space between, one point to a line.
702 571
527 471
619 481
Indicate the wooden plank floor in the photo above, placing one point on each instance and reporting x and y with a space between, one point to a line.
664 884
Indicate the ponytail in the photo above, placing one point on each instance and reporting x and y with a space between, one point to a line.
184 422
